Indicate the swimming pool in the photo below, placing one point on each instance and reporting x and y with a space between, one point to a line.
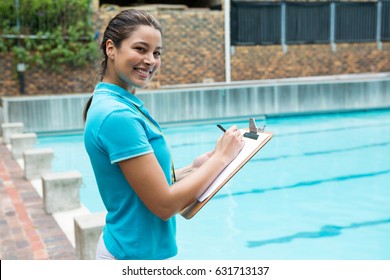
320 189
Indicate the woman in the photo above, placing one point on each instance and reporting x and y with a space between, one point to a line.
129 154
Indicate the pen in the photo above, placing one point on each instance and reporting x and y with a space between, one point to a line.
221 127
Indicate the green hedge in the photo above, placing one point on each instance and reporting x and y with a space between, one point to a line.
47 33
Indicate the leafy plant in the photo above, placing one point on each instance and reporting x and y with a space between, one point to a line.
47 33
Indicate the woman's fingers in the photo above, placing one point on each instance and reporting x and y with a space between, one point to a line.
231 143
237 133
233 128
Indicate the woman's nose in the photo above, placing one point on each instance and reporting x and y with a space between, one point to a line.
150 59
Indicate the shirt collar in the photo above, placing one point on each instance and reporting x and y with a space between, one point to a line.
115 89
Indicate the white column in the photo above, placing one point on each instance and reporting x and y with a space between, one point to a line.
87 229
227 41
21 142
379 24
61 191
37 162
333 26
11 128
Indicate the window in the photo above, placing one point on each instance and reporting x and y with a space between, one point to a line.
255 23
307 23
356 22
259 23
385 26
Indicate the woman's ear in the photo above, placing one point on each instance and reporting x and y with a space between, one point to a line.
110 49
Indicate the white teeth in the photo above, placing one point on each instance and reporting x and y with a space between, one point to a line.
143 72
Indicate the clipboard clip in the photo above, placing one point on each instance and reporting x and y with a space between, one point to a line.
253 130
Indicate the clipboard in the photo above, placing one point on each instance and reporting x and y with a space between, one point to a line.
253 146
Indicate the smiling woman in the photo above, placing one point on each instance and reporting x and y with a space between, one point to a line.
130 156
137 60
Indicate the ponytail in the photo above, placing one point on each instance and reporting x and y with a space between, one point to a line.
87 105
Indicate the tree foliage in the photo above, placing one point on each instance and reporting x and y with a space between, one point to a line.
47 33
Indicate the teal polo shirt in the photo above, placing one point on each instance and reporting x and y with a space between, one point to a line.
116 130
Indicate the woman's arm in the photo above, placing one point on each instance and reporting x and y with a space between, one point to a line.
198 162
147 178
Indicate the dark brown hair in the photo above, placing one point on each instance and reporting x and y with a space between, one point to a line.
118 29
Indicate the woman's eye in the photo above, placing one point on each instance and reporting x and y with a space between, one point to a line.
157 54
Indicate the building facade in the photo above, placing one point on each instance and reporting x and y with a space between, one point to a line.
194 51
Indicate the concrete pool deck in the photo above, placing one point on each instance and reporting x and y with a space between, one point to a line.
27 232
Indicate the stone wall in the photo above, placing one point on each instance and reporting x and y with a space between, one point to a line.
269 62
193 47
8 78
69 80
39 80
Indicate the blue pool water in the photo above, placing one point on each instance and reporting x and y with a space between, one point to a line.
320 189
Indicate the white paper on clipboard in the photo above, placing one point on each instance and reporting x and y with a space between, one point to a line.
247 150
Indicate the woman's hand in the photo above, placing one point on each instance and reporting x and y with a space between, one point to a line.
230 144
165 201
233 141
200 160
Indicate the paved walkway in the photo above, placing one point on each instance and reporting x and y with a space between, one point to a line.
26 231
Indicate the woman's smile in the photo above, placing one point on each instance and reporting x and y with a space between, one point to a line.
136 61
144 73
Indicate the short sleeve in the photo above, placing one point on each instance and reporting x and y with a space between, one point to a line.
123 136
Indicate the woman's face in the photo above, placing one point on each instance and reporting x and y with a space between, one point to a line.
137 60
